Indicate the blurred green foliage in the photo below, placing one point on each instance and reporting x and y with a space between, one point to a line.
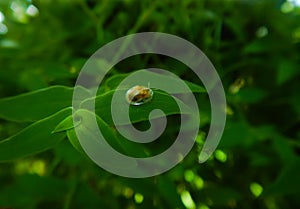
254 46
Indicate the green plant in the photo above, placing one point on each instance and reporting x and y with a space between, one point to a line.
254 45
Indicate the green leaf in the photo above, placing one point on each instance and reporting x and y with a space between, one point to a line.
160 100
264 45
288 181
113 137
74 140
36 105
87 197
222 194
87 129
46 188
248 95
68 154
117 141
243 134
33 139
168 190
114 81
284 148
236 134
286 70
66 124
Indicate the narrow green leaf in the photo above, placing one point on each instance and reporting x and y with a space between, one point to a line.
36 105
68 154
263 45
87 130
118 142
66 124
74 140
160 100
113 138
33 139
114 81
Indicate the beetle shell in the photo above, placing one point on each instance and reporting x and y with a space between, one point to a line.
139 95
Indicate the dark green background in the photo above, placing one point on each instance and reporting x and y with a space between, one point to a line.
255 47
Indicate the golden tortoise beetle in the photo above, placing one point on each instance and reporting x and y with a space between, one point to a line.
139 95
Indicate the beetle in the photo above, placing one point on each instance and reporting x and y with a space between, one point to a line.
139 95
